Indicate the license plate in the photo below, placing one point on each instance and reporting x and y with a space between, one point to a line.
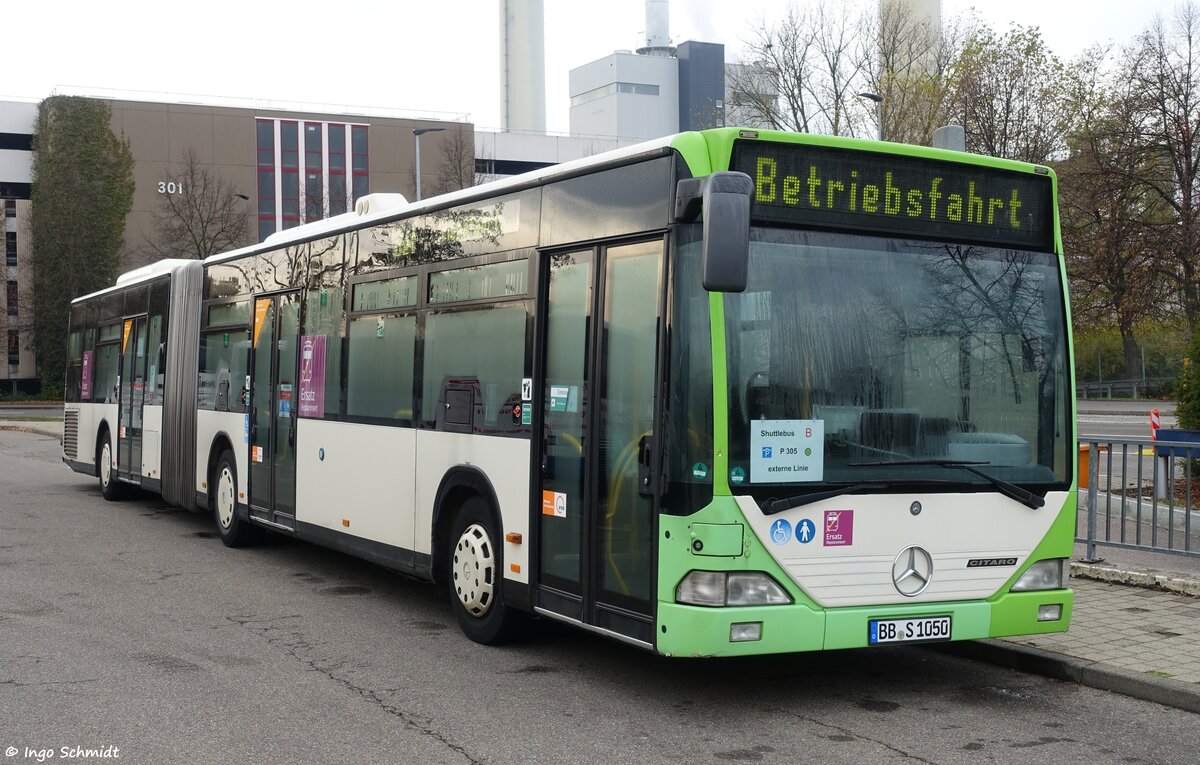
919 630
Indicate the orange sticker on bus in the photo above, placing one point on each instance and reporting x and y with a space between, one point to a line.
260 315
554 503
125 336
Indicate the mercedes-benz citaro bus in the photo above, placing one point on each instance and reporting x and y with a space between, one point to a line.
727 392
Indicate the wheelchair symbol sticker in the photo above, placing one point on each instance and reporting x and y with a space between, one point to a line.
781 532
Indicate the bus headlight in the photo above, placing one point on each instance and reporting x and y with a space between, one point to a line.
1043 575
739 588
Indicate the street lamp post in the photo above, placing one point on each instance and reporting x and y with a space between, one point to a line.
878 99
417 133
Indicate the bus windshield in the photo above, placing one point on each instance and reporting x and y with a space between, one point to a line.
851 355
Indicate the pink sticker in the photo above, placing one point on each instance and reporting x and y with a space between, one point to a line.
85 381
312 376
839 528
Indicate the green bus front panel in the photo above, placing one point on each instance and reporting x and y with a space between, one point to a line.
698 631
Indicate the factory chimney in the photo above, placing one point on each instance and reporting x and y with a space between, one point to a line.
658 24
522 66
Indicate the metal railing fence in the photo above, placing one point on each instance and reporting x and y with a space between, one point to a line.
1138 494
1121 388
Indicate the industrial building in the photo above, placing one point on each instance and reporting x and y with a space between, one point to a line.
287 166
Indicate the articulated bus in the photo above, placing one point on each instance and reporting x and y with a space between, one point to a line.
728 392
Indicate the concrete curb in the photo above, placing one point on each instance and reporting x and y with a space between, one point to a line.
30 427
1139 685
1150 579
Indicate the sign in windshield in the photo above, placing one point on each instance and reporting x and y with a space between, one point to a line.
929 199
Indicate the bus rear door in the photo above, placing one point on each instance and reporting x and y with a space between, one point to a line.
131 398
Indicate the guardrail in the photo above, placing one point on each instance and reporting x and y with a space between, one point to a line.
1139 494
1120 388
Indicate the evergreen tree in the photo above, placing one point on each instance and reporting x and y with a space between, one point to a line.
82 191
1187 388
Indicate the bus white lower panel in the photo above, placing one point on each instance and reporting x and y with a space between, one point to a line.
101 416
90 416
232 426
151 441
505 462
380 483
842 551
361 474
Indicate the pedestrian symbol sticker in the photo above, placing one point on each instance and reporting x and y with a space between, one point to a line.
781 532
805 531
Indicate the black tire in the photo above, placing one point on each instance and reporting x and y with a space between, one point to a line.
110 486
474 575
234 530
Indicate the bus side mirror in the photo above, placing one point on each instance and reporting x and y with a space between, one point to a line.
726 211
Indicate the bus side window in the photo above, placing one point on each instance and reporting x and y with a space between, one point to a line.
485 346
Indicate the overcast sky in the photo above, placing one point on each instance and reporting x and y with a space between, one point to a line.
438 57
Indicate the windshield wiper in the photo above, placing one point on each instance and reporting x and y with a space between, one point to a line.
1012 491
772 506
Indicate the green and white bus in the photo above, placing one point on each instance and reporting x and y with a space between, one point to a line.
728 392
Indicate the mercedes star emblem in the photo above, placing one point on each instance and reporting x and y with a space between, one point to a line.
912 570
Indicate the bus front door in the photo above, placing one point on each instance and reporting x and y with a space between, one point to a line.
132 391
272 409
603 321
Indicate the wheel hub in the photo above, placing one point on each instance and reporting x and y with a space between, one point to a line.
105 465
474 570
225 498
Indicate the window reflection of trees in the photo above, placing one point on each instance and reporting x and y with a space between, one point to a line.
931 337
433 238
281 269
989 298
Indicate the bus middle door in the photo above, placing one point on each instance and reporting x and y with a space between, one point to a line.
273 409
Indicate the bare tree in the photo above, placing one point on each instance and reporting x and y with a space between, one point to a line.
205 215
456 165
804 72
913 71
1111 219
1164 70
752 97
1011 96
800 72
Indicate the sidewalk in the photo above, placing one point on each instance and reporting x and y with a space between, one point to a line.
1133 632
1135 629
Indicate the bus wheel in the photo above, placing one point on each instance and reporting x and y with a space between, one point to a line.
110 487
475 578
234 531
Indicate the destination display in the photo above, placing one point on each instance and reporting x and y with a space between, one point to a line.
885 193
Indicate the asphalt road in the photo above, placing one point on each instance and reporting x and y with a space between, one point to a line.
1098 418
130 625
